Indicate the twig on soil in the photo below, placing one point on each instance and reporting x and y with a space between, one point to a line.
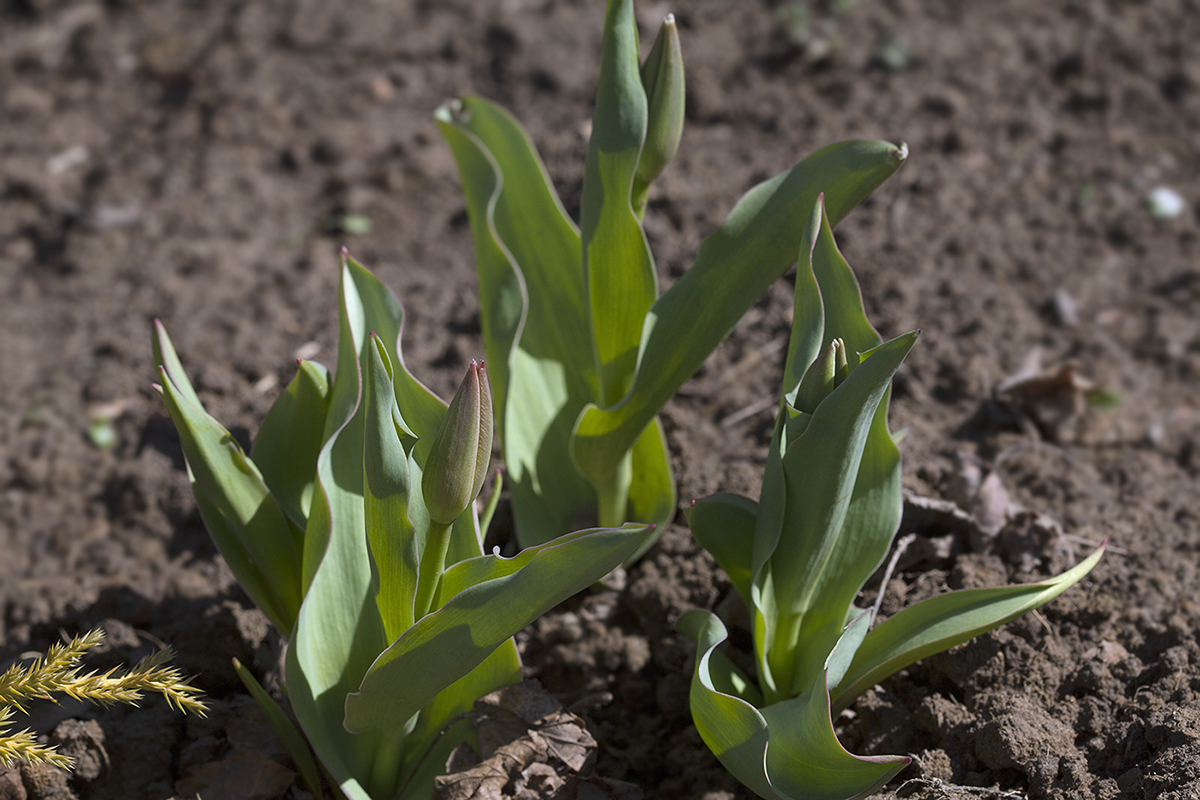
1112 548
747 411
901 546
942 787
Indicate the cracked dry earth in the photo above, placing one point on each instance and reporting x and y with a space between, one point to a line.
202 163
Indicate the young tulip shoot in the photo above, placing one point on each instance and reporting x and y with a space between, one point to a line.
829 508
352 523
583 349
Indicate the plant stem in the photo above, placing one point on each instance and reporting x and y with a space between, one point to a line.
386 765
433 560
782 657
612 498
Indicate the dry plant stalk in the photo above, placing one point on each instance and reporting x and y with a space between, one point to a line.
59 672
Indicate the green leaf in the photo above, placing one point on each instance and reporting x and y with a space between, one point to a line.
734 266
784 751
821 472
808 314
372 308
339 630
501 668
838 661
839 482
731 727
167 359
841 299
621 280
873 515
652 497
536 329
289 441
337 634
941 622
293 741
246 523
804 759
393 540
723 524
495 598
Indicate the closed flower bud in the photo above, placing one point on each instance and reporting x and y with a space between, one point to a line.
662 78
458 463
822 377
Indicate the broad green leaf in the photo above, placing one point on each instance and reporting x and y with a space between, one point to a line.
252 579
731 727
820 471
391 535
337 634
339 629
831 294
722 674
734 266
238 509
808 314
812 554
841 299
369 306
285 729
652 496
621 280
838 660
941 622
723 524
445 645
784 751
541 357
805 760
372 308
501 668
870 523
289 441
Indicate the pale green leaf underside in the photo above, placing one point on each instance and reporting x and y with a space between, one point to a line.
785 751
535 318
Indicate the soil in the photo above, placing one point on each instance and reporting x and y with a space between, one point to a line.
203 162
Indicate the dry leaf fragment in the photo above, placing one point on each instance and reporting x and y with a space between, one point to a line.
532 750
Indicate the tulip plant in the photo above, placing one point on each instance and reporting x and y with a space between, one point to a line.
582 349
352 524
829 507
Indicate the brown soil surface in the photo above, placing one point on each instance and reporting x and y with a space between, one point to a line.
195 162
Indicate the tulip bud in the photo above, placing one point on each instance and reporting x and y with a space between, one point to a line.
822 377
458 463
662 78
